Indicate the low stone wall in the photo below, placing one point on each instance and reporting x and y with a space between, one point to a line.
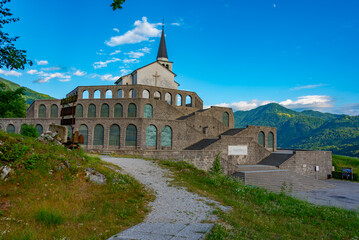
304 162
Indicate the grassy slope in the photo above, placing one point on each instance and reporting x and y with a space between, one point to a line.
44 199
30 95
344 161
259 214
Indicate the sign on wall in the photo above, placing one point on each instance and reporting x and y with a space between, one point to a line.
238 150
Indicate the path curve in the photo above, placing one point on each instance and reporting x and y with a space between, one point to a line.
173 204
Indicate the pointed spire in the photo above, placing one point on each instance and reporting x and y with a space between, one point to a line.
162 50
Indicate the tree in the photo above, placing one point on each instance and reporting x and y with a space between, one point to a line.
117 4
10 57
12 104
29 130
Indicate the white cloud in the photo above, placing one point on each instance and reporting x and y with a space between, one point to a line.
45 77
116 30
125 71
315 102
79 73
42 62
308 87
135 54
101 64
145 50
51 69
176 24
309 102
244 105
115 52
143 31
130 60
100 52
108 77
10 73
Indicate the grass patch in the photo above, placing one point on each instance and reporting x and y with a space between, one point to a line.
344 161
49 217
48 191
260 214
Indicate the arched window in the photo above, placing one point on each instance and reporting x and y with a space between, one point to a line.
118 111
166 137
132 93
54 111
157 95
151 136
10 128
114 135
120 93
226 119
168 98
83 130
85 94
91 111
131 135
189 101
97 94
98 138
179 100
39 129
270 140
145 94
42 111
261 138
108 94
79 111
148 111
132 110
105 110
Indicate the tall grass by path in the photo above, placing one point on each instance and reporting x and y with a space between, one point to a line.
260 214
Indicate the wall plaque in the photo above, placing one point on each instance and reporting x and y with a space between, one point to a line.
238 150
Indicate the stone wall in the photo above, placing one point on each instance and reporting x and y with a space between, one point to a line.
304 162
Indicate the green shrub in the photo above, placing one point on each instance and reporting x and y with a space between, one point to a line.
216 167
29 130
12 151
49 217
338 175
33 161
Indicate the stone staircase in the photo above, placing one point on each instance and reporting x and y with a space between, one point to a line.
277 180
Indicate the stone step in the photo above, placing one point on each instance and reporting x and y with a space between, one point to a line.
281 180
256 167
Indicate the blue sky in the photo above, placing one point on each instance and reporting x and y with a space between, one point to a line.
300 53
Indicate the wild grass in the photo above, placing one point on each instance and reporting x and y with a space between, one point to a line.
344 161
259 214
48 197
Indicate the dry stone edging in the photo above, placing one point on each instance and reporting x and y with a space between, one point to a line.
176 213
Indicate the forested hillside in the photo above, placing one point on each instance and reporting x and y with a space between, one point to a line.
307 129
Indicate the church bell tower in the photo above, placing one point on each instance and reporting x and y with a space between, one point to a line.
162 56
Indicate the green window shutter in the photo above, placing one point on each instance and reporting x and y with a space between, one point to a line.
132 110
105 110
98 135
83 130
114 135
166 137
261 138
118 111
54 111
79 111
91 111
131 135
39 129
10 128
226 119
148 111
42 111
270 140
151 136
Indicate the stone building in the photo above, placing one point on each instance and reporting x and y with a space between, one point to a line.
144 113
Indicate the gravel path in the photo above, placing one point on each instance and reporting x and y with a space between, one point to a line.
173 204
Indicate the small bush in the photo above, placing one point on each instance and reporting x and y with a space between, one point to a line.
216 167
49 217
29 131
33 161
